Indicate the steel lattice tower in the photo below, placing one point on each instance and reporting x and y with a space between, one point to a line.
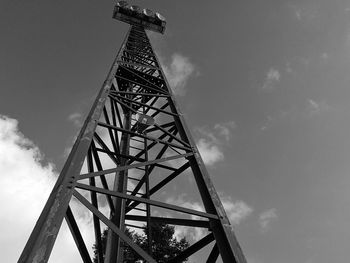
134 143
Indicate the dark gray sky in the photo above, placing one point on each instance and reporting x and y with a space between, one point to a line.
264 86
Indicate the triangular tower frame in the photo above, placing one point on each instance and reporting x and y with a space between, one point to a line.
135 124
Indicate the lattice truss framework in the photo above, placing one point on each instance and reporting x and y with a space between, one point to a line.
119 163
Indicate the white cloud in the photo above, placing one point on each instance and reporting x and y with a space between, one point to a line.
190 233
266 218
314 105
236 210
211 141
273 76
26 184
178 72
210 152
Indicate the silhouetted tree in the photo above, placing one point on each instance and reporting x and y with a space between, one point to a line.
164 244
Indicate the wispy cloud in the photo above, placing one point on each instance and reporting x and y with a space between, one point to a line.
225 129
324 56
308 109
177 72
305 12
273 76
289 69
210 152
236 210
193 234
76 118
266 218
298 14
316 107
211 141
299 64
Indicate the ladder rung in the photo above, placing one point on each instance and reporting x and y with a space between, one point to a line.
132 191
132 178
133 147
129 225
139 209
136 140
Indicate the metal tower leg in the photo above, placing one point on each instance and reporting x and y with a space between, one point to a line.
113 248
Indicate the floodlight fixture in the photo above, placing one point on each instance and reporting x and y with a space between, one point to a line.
143 122
134 15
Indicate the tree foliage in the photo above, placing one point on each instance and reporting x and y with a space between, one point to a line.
164 244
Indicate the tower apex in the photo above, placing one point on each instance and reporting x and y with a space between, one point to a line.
134 15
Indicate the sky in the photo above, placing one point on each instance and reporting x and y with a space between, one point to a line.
263 86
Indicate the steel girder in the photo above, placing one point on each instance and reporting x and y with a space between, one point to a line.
118 167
